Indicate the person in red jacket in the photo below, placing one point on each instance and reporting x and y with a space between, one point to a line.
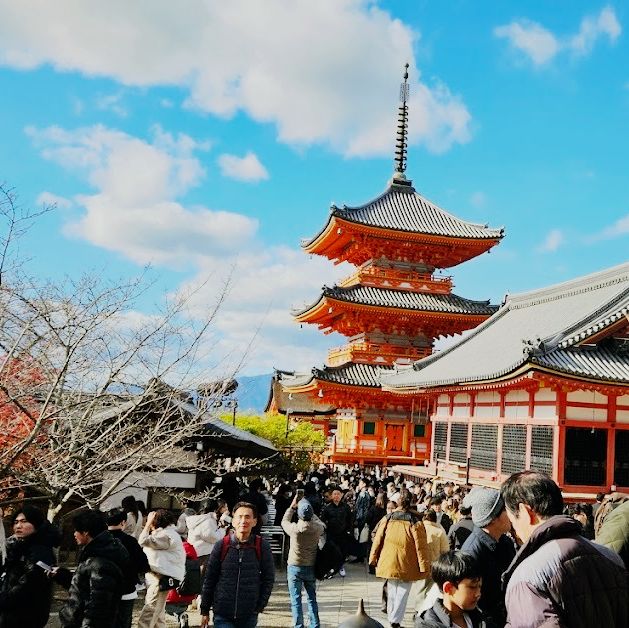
177 603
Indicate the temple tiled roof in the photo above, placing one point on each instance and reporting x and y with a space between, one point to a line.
352 374
404 299
401 208
596 363
539 327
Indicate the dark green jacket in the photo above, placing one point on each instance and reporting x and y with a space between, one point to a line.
615 532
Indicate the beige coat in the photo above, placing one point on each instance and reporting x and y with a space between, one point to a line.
400 549
437 540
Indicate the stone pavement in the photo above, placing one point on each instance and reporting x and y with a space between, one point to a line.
338 598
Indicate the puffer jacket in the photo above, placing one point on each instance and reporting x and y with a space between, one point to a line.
400 549
304 538
436 539
164 549
203 532
240 585
25 589
614 532
559 579
96 586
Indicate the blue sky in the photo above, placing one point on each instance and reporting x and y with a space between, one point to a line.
207 139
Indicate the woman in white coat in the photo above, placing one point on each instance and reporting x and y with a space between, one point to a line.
204 531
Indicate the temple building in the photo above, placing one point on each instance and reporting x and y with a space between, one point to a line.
543 384
391 309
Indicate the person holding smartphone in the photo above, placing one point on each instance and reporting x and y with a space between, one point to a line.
26 589
304 537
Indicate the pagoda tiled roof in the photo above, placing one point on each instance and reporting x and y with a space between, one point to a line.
401 208
352 374
404 299
547 327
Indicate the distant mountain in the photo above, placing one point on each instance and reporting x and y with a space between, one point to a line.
253 393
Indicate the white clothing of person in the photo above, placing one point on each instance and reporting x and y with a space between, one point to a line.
133 527
397 598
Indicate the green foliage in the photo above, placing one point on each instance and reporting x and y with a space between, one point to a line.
304 441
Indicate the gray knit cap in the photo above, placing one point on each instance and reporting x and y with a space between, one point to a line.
486 505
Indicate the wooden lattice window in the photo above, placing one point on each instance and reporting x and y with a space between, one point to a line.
458 442
441 437
513 448
484 447
542 449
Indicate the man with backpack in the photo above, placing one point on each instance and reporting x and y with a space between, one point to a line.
239 576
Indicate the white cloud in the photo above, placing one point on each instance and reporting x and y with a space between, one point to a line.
247 168
266 59
605 24
113 103
134 210
618 229
255 318
537 43
554 239
48 198
540 45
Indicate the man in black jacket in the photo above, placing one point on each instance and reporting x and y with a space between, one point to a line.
492 549
96 586
337 517
239 575
138 564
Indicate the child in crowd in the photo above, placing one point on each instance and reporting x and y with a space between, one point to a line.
458 577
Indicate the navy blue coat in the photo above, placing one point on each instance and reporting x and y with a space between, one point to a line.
240 585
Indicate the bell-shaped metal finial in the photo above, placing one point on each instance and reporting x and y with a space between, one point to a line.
402 129
360 619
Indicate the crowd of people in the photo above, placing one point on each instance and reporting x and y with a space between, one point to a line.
474 557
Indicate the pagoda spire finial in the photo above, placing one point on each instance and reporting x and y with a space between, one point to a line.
401 142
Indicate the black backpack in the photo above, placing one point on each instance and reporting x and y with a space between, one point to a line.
191 583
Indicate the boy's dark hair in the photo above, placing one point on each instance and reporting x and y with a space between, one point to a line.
430 515
91 521
245 505
535 489
453 567
116 516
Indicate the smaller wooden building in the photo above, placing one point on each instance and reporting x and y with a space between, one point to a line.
542 384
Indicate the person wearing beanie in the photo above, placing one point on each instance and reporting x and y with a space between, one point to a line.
491 547
26 589
304 535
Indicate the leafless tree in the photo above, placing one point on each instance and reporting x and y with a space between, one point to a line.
90 388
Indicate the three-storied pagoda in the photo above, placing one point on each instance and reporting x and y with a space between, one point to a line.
392 308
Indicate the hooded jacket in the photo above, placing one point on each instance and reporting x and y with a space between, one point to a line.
304 539
614 533
400 548
560 579
97 584
25 589
203 532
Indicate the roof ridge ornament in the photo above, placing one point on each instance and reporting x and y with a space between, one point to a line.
401 143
